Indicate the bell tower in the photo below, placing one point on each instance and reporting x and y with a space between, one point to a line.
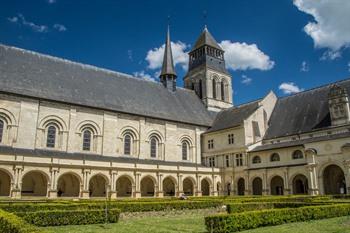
207 74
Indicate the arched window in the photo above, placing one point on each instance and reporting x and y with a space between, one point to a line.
256 159
51 136
1 129
87 138
214 89
222 91
184 150
275 157
297 155
154 147
127 144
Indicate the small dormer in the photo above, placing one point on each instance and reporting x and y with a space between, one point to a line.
338 102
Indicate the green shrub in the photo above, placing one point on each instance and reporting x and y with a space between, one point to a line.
224 223
70 217
10 223
249 206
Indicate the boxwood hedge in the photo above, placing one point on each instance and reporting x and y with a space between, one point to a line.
70 217
11 223
250 206
224 223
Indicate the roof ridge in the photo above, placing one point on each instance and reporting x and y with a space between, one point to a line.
315 88
82 65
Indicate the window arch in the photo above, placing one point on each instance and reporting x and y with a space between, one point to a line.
51 136
127 144
275 157
87 139
297 154
154 147
2 124
256 159
185 150
214 89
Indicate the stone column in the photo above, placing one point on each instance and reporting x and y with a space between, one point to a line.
198 188
265 190
246 184
160 186
137 192
313 179
113 192
347 175
85 187
16 186
215 191
179 190
52 192
287 189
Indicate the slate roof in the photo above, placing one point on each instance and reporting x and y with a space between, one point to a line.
233 116
40 76
271 146
302 112
206 38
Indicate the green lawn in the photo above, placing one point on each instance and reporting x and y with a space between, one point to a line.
195 223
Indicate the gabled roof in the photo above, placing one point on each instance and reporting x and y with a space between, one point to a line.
233 116
206 38
168 63
40 76
302 112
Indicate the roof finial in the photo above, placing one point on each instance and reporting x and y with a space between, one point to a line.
205 14
168 22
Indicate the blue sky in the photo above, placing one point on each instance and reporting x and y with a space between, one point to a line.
280 45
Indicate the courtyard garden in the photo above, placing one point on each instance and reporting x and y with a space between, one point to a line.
248 214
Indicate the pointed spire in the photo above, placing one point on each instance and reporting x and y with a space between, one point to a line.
206 39
168 63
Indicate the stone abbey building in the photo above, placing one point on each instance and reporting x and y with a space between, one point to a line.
74 130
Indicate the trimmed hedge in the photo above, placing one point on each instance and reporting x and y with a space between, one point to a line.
224 223
70 217
11 223
252 206
123 206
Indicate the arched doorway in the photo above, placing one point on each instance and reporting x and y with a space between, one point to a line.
334 180
68 185
168 187
188 187
300 185
34 183
147 187
205 187
97 186
124 187
5 184
257 186
240 187
277 185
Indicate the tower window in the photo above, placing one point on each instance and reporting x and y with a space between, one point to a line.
275 157
87 139
227 161
223 91
214 89
154 146
51 136
211 161
127 144
184 150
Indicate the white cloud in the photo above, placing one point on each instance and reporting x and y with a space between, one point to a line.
330 28
246 80
60 27
13 19
290 88
35 27
243 56
141 74
155 56
304 67
330 55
